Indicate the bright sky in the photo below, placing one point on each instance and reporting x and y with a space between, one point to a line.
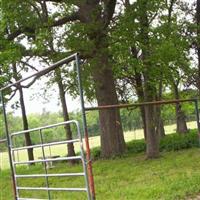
37 104
37 101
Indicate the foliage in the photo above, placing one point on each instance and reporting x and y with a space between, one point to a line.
172 142
168 45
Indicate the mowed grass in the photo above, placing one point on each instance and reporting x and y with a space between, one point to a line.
175 175
94 142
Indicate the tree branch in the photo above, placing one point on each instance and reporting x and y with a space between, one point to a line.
54 1
153 17
19 31
44 11
64 20
75 2
109 11
170 9
14 92
31 83
32 67
15 34
36 9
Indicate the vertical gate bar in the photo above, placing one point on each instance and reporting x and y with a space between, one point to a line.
45 164
14 166
14 144
17 155
9 146
197 117
83 160
88 156
50 151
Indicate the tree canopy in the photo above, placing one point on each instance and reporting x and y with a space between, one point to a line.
130 51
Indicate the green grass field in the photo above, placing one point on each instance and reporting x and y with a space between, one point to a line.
175 175
94 142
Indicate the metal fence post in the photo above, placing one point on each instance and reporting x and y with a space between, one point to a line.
197 117
86 136
9 145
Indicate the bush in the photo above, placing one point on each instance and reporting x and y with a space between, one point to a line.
172 142
176 141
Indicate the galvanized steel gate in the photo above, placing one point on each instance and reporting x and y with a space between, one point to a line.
86 165
45 160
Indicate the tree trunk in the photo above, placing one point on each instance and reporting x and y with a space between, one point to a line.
91 13
138 83
152 141
70 146
24 116
112 139
152 138
140 94
180 120
181 125
160 124
25 124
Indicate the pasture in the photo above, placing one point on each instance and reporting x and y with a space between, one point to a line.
94 142
176 175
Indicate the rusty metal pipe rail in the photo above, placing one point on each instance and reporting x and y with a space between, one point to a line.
139 104
130 105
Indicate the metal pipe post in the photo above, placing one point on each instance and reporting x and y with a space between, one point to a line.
14 166
86 136
9 145
83 161
197 117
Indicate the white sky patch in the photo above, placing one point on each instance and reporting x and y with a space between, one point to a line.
37 102
40 97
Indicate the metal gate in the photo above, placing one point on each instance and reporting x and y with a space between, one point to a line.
72 58
46 161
